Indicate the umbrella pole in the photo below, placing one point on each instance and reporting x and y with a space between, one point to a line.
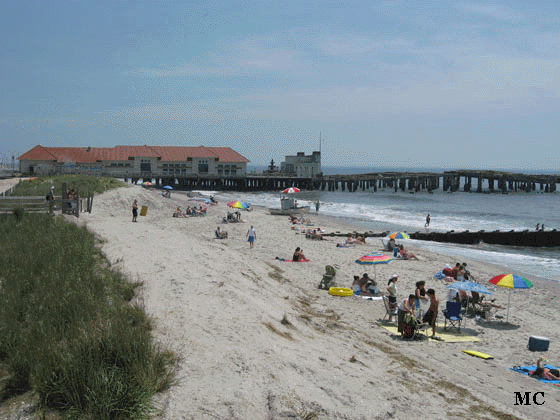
509 299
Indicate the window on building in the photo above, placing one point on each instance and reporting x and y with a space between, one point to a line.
203 167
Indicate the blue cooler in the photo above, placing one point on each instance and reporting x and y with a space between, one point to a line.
538 343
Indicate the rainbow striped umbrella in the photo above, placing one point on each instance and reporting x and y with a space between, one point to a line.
238 204
374 259
398 235
511 281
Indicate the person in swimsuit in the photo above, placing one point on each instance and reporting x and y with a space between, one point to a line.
544 372
135 210
431 314
298 255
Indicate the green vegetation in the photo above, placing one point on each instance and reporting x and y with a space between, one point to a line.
82 183
69 331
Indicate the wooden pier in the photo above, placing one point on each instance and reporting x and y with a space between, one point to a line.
450 181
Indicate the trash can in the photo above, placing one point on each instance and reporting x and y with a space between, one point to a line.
144 210
538 343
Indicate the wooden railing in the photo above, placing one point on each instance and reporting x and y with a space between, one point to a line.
34 204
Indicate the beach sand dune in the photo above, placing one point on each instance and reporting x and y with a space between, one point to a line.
258 340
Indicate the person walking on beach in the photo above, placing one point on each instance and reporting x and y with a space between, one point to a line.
252 235
427 220
135 211
317 206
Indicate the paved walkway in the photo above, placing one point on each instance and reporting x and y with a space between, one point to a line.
6 184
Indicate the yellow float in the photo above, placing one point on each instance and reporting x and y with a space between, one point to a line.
341 291
478 354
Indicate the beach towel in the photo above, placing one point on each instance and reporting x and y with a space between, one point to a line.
439 275
295 261
527 370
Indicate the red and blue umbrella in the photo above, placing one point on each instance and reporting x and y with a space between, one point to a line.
511 281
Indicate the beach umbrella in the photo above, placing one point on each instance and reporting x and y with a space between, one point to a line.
469 286
238 204
291 190
167 187
511 281
147 184
398 235
374 259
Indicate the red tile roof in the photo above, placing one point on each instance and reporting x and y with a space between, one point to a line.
166 153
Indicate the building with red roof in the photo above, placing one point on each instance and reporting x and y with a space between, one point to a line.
134 161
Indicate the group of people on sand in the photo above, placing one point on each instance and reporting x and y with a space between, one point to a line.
365 286
234 217
190 211
399 251
294 220
459 272
352 240
412 305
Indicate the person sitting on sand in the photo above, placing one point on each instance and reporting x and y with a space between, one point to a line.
405 255
447 270
544 372
318 235
298 255
357 285
221 234
391 244
455 271
369 286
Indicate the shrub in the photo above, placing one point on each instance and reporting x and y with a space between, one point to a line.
68 329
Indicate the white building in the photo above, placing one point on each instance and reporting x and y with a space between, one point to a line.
302 166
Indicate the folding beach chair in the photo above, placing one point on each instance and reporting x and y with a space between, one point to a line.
389 312
452 313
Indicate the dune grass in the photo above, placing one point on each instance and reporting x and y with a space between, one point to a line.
68 329
83 183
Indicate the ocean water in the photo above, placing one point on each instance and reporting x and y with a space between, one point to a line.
386 210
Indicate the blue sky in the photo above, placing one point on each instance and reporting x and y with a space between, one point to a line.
388 83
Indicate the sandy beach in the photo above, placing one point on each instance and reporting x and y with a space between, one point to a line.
258 340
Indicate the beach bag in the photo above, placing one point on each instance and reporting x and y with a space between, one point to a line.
411 320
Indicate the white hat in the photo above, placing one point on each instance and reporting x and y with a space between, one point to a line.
395 276
52 187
